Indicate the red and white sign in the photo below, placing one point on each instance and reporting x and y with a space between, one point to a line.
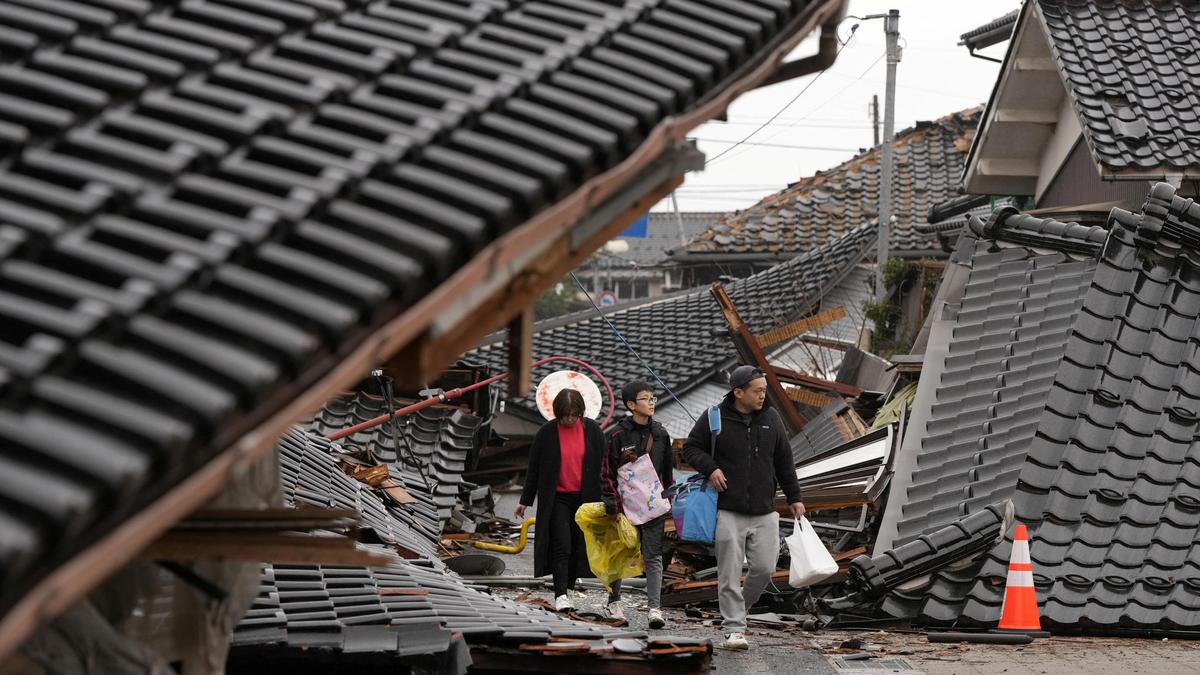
561 379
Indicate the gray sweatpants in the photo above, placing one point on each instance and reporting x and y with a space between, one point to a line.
651 535
757 539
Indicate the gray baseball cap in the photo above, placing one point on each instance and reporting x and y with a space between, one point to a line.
743 375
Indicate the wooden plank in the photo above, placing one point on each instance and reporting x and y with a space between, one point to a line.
752 354
851 554
816 502
817 383
520 353
777 335
305 518
805 397
241 546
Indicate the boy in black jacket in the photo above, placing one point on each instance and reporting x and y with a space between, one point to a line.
753 455
634 436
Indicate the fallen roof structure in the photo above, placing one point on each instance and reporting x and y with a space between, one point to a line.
1079 403
683 336
209 208
928 160
414 611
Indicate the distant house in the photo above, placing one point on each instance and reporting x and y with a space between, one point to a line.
815 210
641 267
1094 101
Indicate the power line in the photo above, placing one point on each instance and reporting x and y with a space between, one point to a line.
776 145
630 347
853 31
831 99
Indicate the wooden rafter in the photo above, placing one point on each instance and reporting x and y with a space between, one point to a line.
810 398
241 546
798 328
520 353
817 383
751 353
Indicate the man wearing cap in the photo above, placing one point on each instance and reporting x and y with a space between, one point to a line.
752 456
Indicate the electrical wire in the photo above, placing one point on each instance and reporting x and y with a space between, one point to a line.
628 346
853 32
775 145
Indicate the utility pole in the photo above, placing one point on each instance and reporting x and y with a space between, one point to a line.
875 119
678 220
891 29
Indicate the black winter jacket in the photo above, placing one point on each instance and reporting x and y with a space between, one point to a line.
545 459
631 435
747 454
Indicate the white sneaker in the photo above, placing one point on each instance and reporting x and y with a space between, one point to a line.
613 610
563 604
736 641
656 619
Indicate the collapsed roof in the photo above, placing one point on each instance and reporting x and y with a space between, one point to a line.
1095 453
682 337
413 611
809 213
206 206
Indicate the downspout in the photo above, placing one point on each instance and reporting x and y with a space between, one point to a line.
826 53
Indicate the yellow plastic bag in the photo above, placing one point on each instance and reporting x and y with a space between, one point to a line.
613 548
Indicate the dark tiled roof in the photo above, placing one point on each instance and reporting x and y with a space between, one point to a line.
683 337
678 418
440 439
948 218
990 33
202 203
1109 487
1132 69
662 235
1009 334
311 477
1096 459
928 159
399 609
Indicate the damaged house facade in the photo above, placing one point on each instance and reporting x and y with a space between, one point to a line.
1058 386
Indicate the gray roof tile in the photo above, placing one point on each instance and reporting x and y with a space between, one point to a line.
1129 67
204 207
1105 482
683 337
817 209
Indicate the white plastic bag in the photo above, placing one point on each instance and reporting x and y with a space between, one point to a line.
811 561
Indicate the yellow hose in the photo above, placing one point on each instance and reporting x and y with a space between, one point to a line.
509 549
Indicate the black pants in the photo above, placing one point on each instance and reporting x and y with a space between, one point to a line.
566 541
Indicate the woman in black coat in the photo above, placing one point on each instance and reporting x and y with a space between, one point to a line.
564 472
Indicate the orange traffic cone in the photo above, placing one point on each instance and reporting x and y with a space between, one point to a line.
1020 611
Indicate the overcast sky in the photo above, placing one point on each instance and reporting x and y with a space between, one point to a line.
830 121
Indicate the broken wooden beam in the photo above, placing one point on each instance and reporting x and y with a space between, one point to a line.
811 382
242 546
798 328
747 347
809 398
